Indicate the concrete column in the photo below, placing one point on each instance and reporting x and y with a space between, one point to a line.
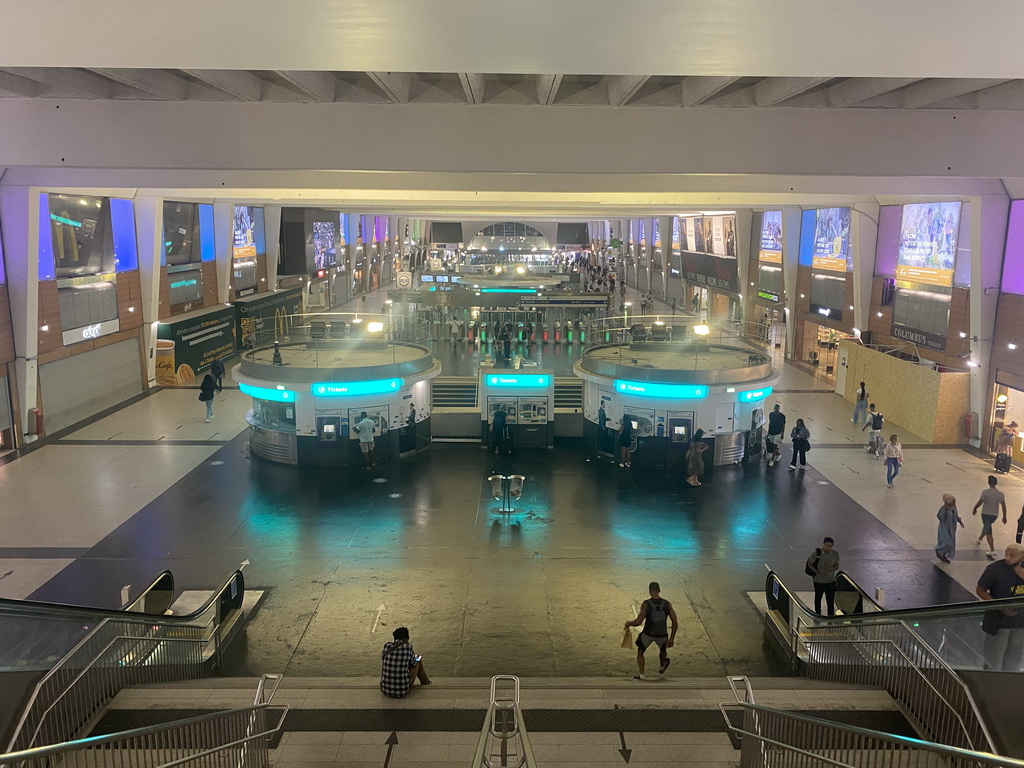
665 254
744 227
634 257
224 232
272 235
149 231
790 260
20 214
988 214
648 255
864 246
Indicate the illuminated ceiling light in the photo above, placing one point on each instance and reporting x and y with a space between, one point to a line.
971 364
851 308
1002 399
44 328
801 296
375 327
1012 345
701 330
131 309
963 335
521 270
879 314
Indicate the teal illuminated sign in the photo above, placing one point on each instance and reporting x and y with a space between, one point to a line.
265 393
652 389
508 290
518 380
184 283
62 220
344 389
755 394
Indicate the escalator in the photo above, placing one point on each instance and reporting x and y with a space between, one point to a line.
943 648
45 646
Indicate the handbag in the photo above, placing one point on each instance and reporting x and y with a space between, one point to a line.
990 621
810 571
627 639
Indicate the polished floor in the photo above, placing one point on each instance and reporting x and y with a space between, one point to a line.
346 556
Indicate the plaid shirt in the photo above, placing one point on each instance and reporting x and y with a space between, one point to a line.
397 659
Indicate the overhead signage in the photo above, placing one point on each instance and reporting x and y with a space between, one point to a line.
754 394
544 301
91 332
347 388
770 251
920 338
713 271
928 242
831 247
265 393
653 389
518 380
768 295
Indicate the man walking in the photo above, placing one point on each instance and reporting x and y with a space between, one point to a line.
824 564
875 420
364 428
654 615
990 502
1004 632
776 429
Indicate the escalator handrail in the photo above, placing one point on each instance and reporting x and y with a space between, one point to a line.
164 576
41 609
903 614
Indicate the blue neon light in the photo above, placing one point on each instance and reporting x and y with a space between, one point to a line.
207 238
122 226
755 394
264 393
652 389
344 389
508 290
519 380
45 240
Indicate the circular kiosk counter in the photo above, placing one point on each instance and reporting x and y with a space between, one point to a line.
670 390
307 397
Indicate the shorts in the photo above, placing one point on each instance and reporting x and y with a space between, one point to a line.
365 447
643 641
986 524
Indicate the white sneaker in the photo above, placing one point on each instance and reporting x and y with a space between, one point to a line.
792 467
208 421
990 555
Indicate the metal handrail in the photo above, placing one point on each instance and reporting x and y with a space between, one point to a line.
806 726
489 732
923 677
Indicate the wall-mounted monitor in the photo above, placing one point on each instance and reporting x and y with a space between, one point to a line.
244 241
324 237
831 242
770 251
927 244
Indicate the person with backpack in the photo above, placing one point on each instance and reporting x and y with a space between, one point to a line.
823 566
776 429
860 407
654 615
217 371
875 421
801 437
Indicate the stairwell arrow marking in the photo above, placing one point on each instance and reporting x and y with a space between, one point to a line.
380 609
391 742
622 740
6 574
244 563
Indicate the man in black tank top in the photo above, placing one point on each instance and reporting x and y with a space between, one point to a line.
654 615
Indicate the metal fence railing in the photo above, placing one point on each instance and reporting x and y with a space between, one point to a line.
503 739
772 738
235 738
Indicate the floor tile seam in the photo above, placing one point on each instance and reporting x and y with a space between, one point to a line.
133 442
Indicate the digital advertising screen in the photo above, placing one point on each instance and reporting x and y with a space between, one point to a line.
723 241
685 230
770 251
342 240
831 239
927 244
698 234
244 242
675 234
324 244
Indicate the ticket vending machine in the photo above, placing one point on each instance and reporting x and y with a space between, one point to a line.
528 398
381 437
330 446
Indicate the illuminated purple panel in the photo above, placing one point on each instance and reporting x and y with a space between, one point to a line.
1013 259
888 245
46 269
3 276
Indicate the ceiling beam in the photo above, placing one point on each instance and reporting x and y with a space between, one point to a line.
396 85
775 90
155 82
547 88
18 86
318 86
929 92
697 90
66 79
1008 95
244 86
858 89
473 87
621 88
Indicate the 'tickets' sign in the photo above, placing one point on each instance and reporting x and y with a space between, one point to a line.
186 347
267 317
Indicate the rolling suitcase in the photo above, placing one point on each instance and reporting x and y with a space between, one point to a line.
1002 462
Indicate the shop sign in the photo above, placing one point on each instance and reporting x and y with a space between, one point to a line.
653 389
768 295
752 395
921 338
267 317
518 380
187 346
245 292
717 272
90 332
344 389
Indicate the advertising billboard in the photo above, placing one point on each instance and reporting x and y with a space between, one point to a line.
244 242
831 239
770 251
267 317
324 244
186 347
927 244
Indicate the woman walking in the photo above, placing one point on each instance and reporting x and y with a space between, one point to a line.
801 437
694 458
893 459
625 439
949 518
206 390
860 407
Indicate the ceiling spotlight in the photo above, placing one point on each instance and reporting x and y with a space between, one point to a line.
971 364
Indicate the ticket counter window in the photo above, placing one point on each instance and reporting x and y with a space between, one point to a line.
276 416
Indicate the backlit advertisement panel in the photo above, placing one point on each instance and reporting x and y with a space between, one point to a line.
244 232
324 244
927 246
831 239
770 251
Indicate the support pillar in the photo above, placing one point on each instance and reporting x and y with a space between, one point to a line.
149 229
791 218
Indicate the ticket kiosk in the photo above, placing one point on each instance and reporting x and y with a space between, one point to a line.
527 398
